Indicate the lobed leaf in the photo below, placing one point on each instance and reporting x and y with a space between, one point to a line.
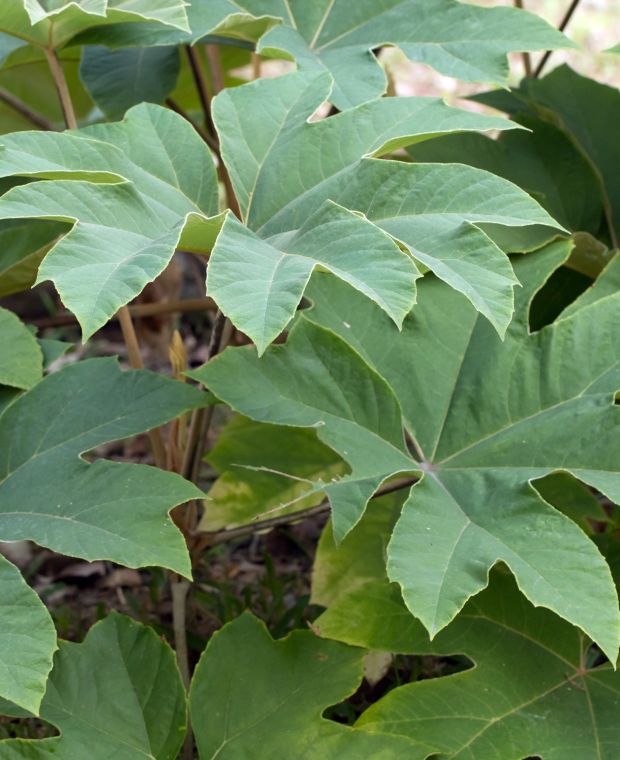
104 510
485 418
118 694
250 691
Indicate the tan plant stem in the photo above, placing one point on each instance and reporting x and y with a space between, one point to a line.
135 359
563 24
58 75
24 110
256 62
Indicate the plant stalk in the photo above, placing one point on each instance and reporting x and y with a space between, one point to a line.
563 24
24 110
64 96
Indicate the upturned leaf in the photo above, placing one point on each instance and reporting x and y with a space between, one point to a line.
131 189
27 641
104 510
457 39
249 691
285 169
49 23
116 695
21 360
484 417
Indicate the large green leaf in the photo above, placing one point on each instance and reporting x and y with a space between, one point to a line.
485 418
263 468
284 169
131 189
572 103
533 690
104 510
49 23
21 361
120 79
527 663
117 695
457 39
251 694
27 641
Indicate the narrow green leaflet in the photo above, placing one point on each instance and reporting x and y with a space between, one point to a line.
119 79
261 284
249 692
533 690
117 695
264 468
21 360
485 417
27 641
457 39
351 407
284 169
104 510
133 190
49 23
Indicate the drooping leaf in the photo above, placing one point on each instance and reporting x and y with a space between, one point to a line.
132 190
485 419
456 39
120 79
117 695
104 510
27 641
264 467
21 361
284 169
49 23
259 284
249 692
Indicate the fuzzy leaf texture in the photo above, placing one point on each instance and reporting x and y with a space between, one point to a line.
117 694
486 418
103 510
